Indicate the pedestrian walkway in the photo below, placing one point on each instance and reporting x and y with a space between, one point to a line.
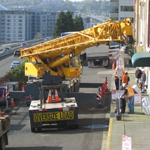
136 126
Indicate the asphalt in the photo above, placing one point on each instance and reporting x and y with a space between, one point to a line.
135 126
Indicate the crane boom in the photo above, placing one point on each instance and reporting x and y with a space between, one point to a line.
49 54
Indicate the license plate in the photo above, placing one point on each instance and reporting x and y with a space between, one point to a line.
53 116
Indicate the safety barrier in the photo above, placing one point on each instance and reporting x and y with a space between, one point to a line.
15 46
102 90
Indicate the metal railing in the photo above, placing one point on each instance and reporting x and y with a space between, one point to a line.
15 46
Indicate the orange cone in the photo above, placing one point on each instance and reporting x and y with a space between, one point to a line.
12 103
56 96
113 66
23 87
49 98
0 112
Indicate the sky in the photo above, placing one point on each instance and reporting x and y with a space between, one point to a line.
79 0
76 0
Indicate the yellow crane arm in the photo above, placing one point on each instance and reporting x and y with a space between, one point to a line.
48 55
79 41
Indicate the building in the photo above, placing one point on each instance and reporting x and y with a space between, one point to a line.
142 37
91 20
14 25
121 9
22 24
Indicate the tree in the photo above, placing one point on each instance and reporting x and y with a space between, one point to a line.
38 35
78 23
69 20
19 74
61 25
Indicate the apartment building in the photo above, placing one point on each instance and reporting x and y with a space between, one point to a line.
22 24
121 9
142 37
14 25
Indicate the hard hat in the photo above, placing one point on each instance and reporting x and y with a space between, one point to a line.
123 84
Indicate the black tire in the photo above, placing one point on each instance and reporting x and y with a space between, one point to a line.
39 129
28 104
2 143
33 129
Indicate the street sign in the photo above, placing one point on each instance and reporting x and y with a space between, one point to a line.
126 143
119 72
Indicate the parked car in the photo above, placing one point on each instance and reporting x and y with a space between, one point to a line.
16 53
47 38
23 44
14 64
6 49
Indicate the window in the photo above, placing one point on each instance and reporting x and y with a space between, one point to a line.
114 9
74 62
127 8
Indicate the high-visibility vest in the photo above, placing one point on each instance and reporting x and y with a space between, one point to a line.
123 72
125 79
115 77
130 92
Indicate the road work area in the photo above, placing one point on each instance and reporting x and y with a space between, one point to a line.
92 131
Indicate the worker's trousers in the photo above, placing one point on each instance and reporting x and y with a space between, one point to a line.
131 104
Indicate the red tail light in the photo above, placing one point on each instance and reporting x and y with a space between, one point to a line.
27 98
72 108
60 108
44 109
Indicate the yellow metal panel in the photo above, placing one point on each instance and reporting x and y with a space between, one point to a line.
31 70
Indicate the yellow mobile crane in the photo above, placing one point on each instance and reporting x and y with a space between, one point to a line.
48 56
56 66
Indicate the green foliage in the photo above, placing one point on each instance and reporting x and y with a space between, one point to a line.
66 23
19 74
38 35
130 50
69 20
61 25
78 23
85 7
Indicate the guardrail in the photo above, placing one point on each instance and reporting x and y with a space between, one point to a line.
15 46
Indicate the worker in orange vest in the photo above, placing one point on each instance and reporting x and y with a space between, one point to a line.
123 72
116 78
125 78
130 96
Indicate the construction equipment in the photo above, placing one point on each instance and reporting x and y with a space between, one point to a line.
48 55
55 66
4 128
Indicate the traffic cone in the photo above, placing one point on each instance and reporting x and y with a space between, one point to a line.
0 112
56 96
49 98
12 102
113 66
23 87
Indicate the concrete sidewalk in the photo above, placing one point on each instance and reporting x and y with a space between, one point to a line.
136 126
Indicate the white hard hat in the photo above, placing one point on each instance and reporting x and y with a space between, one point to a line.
123 84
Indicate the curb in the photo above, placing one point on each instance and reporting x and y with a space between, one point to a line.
109 134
